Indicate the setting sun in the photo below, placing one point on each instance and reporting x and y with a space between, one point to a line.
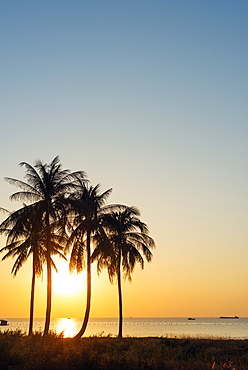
67 283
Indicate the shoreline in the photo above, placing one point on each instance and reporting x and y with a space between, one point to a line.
142 327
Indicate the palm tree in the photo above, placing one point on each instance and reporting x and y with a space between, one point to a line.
47 188
87 204
129 240
25 237
23 240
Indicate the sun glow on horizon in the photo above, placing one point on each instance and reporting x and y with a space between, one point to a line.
66 283
67 327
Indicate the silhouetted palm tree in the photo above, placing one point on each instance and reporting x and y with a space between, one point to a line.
23 240
47 187
87 204
129 240
26 237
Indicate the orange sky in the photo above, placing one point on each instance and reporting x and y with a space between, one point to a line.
148 98
185 288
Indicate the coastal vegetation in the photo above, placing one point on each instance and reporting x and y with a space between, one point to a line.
63 214
87 206
129 240
21 352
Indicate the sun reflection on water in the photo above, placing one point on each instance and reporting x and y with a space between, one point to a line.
67 326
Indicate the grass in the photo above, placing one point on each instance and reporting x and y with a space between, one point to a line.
18 351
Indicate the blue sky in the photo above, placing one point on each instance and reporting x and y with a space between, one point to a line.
150 98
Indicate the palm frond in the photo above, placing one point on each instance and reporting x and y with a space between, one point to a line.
18 263
20 184
77 259
4 210
25 196
129 240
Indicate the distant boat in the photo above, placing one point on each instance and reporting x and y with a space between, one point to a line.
229 317
3 322
191 318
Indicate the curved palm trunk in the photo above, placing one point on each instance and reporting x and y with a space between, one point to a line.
87 311
120 298
49 280
31 315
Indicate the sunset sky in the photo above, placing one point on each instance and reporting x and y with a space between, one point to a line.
148 97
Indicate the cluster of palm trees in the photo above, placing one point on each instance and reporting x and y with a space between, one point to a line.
63 214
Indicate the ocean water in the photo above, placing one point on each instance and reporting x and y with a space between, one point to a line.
142 327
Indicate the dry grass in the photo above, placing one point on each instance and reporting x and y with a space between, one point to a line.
17 351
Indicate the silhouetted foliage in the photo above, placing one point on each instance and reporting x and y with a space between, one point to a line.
87 204
64 210
129 242
54 352
46 189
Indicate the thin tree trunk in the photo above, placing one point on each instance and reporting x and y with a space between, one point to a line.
31 315
120 299
49 280
49 298
87 311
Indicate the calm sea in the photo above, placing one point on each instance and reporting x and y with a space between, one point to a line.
143 327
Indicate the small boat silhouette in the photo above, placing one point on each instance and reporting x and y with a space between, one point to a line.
191 318
3 322
229 317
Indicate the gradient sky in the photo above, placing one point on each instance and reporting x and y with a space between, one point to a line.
149 98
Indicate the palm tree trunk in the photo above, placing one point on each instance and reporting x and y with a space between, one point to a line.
49 280
49 298
31 315
87 311
120 298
